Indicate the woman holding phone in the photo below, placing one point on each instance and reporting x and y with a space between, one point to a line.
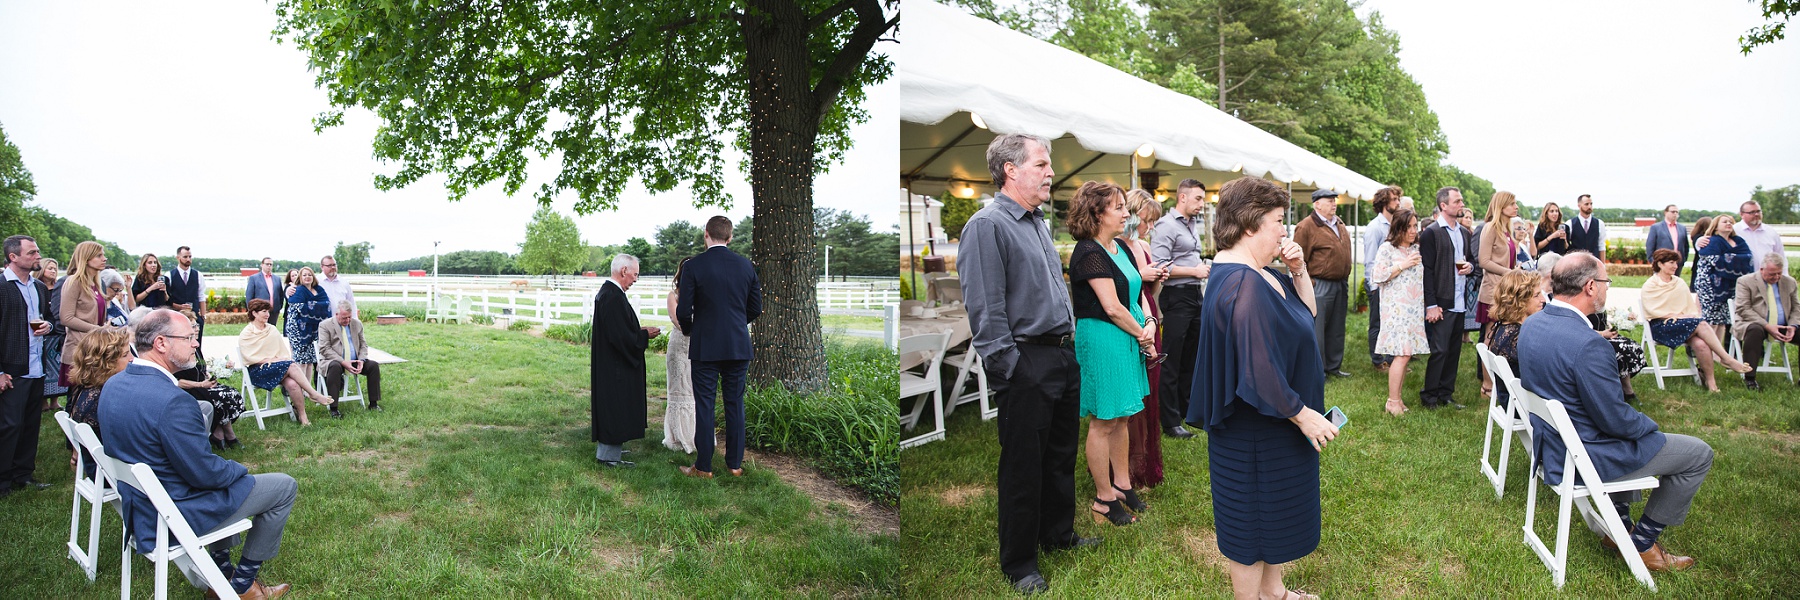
150 288
1259 391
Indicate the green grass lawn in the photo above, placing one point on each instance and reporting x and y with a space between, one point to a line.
1407 512
479 481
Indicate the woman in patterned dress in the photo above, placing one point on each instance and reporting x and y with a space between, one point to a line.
1723 258
1399 272
53 387
307 305
271 361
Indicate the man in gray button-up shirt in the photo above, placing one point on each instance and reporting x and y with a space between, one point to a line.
1176 237
1020 316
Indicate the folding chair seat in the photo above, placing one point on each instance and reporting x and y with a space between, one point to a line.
966 363
1577 488
96 490
188 551
1768 361
1508 418
256 405
920 388
1659 366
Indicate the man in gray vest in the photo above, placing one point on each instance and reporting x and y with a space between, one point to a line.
1176 237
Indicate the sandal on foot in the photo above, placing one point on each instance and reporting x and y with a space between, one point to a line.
1131 500
1115 512
1300 594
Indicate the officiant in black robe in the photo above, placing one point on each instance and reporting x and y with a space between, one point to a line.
616 371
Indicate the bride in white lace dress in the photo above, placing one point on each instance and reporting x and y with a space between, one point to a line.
678 417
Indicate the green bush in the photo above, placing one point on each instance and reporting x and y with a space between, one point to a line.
518 325
574 334
660 343
367 311
851 431
481 319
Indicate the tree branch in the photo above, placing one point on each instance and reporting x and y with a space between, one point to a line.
869 27
828 14
1244 80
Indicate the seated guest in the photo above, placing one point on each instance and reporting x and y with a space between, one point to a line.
1765 310
222 403
1628 352
1562 359
100 355
1674 317
149 288
118 301
353 356
1515 298
271 361
146 419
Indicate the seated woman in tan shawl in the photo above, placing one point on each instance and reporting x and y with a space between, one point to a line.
271 360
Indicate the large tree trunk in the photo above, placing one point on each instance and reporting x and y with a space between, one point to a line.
784 125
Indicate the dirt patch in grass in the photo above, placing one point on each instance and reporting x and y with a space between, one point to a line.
1451 567
870 518
1203 545
962 495
616 554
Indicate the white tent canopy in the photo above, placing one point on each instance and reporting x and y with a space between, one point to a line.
951 63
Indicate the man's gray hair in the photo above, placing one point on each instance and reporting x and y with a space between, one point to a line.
156 324
1741 207
1573 273
1010 148
1775 258
1546 262
109 277
342 305
620 261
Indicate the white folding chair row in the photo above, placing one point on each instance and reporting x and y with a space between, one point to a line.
1578 488
256 407
1768 361
1509 418
1659 366
352 382
966 363
922 387
189 552
96 490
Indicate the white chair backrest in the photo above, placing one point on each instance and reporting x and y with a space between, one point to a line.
139 477
1575 456
1486 356
932 343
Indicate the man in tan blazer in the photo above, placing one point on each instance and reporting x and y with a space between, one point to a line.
1765 309
338 357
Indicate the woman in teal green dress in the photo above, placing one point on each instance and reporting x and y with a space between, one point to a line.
1112 339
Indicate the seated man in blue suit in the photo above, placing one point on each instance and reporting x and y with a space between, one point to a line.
718 297
145 418
1560 359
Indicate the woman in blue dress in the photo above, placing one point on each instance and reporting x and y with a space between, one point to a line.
1112 337
307 305
1259 389
1721 260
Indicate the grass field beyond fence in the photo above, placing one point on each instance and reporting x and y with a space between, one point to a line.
479 482
1407 512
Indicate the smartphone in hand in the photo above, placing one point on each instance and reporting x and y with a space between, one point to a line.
1337 417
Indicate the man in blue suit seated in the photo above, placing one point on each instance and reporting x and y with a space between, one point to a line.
145 418
718 297
1560 358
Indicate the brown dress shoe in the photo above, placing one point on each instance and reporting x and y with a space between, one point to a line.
693 472
1657 559
257 591
737 472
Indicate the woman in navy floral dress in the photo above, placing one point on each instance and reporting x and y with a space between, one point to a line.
307 305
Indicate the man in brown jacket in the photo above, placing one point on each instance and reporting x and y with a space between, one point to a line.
1326 244
1764 311
339 357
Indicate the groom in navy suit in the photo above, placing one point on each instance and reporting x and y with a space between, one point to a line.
718 297
1560 358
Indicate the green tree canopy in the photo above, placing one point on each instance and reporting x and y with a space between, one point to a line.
1779 205
1778 12
16 190
552 245
352 258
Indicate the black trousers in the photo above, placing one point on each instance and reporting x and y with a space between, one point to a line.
1180 306
1039 434
1445 337
707 377
21 413
334 380
1752 342
1375 325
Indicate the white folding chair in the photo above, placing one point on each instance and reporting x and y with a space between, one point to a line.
1661 367
189 552
1580 486
949 289
1508 418
352 381
257 407
966 363
1768 361
920 387
96 491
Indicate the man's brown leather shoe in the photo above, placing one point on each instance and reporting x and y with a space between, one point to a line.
736 472
693 472
1657 559
257 591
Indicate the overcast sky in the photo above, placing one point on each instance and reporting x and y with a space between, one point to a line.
1640 103
167 124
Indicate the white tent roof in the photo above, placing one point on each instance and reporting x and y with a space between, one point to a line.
951 62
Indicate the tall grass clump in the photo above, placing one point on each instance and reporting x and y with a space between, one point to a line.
850 430
571 333
367 311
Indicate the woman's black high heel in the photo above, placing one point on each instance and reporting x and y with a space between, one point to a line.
232 443
1115 512
1131 500
217 443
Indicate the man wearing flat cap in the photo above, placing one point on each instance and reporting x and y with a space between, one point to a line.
1326 244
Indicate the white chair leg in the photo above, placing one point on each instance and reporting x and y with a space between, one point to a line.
1601 510
1487 469
988 411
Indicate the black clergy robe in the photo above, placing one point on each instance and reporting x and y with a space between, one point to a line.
616 369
